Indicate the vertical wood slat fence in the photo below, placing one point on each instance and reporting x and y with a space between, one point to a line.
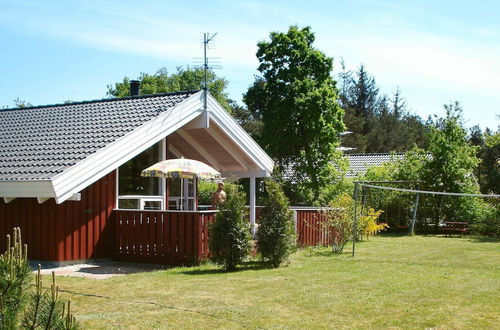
311 228
181 238
162 237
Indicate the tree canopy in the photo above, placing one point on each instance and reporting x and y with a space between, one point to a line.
379 123
296 98
182 80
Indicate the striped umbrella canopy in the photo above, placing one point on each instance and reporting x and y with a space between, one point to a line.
181 168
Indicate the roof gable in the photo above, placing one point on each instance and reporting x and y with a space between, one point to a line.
61 151
38 143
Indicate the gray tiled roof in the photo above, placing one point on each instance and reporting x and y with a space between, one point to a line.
359 163
38 143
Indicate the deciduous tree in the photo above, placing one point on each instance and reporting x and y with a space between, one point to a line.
296 98
182 80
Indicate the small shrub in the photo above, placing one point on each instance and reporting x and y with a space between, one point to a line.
229 234
340 221
489 221
39 309
368 225
276 234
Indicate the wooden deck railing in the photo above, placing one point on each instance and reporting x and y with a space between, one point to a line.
181 238
163 237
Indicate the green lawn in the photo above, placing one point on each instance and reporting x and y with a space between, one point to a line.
393 282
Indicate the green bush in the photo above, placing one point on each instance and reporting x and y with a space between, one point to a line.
205 192
229 234
339 221
489 222
276 234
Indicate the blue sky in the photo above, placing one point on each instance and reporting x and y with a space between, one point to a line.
434 51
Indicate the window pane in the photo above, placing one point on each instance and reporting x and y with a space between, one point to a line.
131 182
130 204
174 187
173 205
152 205
191 187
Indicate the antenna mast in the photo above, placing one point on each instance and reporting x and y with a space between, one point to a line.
206 39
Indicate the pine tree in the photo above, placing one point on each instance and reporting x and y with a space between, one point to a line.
15 278
39 309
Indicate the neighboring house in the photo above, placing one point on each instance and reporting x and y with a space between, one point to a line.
65 169
359 163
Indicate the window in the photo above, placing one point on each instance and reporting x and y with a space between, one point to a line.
130 180
137 192
182 194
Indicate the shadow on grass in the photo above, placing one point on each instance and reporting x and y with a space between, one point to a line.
484 239
327 251
247 265
393 234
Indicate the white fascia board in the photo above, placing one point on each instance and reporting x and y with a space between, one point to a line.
94 167
246 174
231 128
35 189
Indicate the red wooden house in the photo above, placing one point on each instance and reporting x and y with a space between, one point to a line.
70 176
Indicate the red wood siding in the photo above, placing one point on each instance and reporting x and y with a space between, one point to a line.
311 230
73 230
170 238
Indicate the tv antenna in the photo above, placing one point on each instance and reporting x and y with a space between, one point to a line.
207 38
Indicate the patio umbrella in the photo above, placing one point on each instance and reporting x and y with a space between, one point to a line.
181 168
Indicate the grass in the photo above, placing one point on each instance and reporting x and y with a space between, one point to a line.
393 282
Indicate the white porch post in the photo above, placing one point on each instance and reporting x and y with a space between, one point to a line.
163 181
252 205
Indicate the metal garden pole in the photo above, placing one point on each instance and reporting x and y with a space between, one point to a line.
355 229
412 232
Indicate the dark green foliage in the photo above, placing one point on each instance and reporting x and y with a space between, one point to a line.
250 121
205 192
489 222
451 167
229 234
276 233
39 309
296 99
379 123
15 277
182 80
447 166
491 163
488 171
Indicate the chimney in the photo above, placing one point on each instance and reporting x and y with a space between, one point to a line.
134 87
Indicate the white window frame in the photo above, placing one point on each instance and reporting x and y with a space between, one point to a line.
145 198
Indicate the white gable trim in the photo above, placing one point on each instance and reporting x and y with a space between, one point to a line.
125 148
245 174
231 128
70 182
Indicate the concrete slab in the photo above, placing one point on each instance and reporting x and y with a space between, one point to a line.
102 270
